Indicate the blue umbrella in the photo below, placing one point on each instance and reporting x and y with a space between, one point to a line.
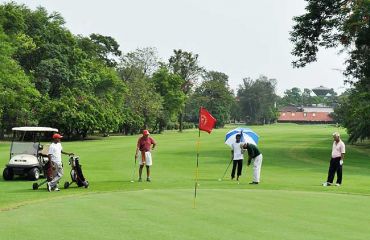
248 136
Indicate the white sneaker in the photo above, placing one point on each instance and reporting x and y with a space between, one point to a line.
56 189
325 184
48 187
337 184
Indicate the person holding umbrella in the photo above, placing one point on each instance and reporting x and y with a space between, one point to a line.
237 155
256 156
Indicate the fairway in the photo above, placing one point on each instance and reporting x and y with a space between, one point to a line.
290 202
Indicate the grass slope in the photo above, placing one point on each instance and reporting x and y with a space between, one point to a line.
289 204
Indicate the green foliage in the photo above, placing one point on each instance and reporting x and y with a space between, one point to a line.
168 85
328 24
356 119
81 93
215 95
18 97
257 100
186 65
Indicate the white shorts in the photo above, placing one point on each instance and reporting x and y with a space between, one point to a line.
148 159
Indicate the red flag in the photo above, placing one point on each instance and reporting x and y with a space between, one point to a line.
206 121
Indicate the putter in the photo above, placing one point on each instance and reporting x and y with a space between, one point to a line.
220 179
133 170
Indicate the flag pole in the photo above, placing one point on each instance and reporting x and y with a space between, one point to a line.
196 171
197 166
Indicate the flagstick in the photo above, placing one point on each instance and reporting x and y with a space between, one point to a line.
197 170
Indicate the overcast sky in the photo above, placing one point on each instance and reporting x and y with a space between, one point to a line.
241 38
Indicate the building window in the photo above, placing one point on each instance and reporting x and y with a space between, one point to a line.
313 114
305 114
293 114
283 114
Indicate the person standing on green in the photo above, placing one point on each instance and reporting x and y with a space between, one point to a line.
256 156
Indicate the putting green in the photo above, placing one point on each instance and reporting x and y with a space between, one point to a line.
169 214
290 202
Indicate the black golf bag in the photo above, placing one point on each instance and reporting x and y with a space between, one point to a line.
76 173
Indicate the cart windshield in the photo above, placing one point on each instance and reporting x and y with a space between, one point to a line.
30 148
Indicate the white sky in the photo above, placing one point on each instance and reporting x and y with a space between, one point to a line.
242 38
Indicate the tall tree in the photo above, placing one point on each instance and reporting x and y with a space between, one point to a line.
18 96
186 65
168 85
257 100
214 94
345 23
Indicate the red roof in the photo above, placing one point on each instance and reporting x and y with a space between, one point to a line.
304 117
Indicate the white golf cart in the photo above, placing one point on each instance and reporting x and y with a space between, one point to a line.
27 156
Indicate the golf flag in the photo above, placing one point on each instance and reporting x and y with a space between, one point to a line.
206 121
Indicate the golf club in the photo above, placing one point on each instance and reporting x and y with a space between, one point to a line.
133 170
220 179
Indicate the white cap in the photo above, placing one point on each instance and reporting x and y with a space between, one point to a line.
336 134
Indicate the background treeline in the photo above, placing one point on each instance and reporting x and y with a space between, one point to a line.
86 85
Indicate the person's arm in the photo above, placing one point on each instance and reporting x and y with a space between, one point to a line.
153 144
232 154
66 153
343 151
137 148
250 154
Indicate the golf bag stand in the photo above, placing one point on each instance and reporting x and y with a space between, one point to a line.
76 173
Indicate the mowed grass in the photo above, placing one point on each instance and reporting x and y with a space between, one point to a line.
290 203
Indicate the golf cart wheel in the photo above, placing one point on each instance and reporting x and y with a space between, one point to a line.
66 185
35 186
34 174
8 174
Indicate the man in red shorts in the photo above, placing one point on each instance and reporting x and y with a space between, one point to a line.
143 145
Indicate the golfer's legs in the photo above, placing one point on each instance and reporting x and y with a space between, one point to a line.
58 176
257 168
240 167
339 173
141 165
332 170
234 168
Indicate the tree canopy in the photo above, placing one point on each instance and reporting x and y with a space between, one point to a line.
345 24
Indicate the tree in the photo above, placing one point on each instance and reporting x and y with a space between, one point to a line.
144 101
345 23
292 97
185 64
215 95
18 96
106 48
145 60
257 100
168 85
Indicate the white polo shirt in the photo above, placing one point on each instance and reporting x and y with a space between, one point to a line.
55 150
338 149
237 151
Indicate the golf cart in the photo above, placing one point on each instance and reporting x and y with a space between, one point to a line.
27 156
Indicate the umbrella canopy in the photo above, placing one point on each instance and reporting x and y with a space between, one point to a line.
247 136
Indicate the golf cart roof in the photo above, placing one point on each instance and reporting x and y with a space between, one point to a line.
35 129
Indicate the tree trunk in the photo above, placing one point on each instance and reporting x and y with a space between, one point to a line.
181 118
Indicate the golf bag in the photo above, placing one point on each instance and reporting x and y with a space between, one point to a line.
76 173
49 173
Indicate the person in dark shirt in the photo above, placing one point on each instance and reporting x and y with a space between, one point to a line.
254 155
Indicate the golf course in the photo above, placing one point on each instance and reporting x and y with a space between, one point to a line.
290 202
